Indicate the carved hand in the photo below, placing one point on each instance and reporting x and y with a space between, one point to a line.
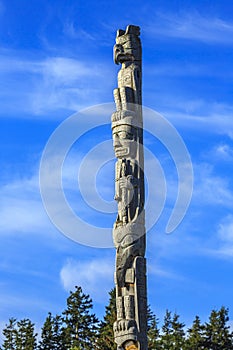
128 182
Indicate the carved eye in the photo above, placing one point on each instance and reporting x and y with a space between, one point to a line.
127 78
129 136
125 135
118 48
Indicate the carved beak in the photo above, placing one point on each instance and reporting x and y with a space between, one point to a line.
121 56
117 52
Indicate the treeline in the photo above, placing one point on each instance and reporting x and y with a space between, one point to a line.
77 328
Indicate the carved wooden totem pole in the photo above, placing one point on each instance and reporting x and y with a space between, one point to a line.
130 328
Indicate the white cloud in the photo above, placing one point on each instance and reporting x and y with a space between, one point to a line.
21 208
95 276
59 70
10 64
161 272
89 183
74 33
211 189
211 193
224 151
24 216
63 70
49 84
22 211
221 152
68 84
192 26
225 230
202 117
24 303
223 244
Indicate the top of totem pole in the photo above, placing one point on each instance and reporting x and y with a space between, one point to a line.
128 45
128 53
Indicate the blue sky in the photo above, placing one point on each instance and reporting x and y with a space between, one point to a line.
56 59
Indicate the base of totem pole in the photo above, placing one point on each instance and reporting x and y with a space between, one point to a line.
131 346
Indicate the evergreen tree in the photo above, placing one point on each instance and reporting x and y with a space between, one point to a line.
106 336
46 342
152 331
178 334
173 335
51 334
58 333
80 326
195 340
166 341
217 334
25 335
9 334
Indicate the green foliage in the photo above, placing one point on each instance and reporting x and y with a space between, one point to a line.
153 333
79 329
25 335
106 338
51 334
173 335
166 337
195 340
80 326
217 334
178 333
9 334
19 335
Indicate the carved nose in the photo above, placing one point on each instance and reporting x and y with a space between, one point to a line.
116 142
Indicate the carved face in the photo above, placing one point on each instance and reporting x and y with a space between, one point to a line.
121 55
124 141
127 49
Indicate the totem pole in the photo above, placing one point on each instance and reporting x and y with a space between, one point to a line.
130 328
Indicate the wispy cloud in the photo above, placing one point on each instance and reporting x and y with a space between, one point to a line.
225 229
22 211
225 235
71 30
222 152
78 164
22 303
49 84
198 115
216 189
65 84
95 276
67 70
223 244
162 272
212 192
192 26
21 208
